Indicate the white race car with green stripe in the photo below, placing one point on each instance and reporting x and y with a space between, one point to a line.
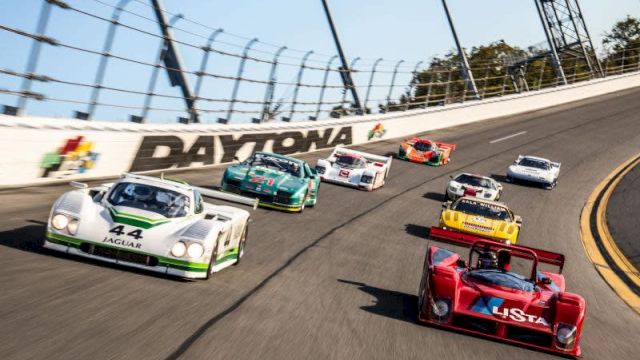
150 223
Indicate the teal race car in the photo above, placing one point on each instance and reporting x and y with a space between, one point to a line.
278 181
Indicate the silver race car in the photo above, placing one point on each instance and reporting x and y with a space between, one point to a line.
354 168
536 170
150 223
466 184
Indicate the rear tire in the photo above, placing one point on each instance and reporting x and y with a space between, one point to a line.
242 243
212 261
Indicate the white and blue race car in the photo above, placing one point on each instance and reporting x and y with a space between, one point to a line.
354 168
466 184
536 170
150 223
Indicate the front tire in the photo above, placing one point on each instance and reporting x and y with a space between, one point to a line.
241 245
212 261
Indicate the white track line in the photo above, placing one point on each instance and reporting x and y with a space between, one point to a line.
507 137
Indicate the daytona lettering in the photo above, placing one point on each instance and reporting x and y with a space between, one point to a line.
121 242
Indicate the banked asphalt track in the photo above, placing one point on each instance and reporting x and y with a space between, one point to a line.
337 282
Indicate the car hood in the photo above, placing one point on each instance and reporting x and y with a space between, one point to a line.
504 304
268 181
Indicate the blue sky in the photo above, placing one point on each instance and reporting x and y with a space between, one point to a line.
413 30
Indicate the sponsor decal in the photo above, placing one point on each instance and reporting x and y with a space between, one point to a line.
205 149
377 132
75 156
344 173
519 315
121 242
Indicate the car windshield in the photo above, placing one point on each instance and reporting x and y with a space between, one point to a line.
502 278
351 161
424 146
483 209
533 163
168 203
474 181
275 163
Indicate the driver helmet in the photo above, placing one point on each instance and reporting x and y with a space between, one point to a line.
504 260
487 260
141 193
163 198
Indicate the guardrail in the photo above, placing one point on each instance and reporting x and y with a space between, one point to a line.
44 150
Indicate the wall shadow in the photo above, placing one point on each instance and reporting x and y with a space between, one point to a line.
439 197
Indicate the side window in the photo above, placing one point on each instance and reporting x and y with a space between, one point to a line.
199 207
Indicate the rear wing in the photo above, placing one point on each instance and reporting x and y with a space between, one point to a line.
445 145
216 194
369 157
466 240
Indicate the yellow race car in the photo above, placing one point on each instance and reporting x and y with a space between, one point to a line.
482 218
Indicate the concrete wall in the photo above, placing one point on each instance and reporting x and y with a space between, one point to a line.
42 150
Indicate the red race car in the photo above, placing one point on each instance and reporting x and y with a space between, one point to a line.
483 296
425 151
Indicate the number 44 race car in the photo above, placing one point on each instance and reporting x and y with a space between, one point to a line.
354 168
150 223
485 297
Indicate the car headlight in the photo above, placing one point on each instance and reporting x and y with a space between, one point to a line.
321 169
366 179
566 336
59 221
179 249
440 309
195 250
453 188
72 227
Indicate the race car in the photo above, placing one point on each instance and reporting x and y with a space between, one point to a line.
487 296
480 217
425 151
354 168
278 181
465 184
535 170
150 223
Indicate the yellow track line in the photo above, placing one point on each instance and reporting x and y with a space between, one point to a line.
604 191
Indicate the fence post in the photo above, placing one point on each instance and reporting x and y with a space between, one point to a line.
106 53
203 67
271 87
236 86
324 84
447 88
624 54
429 88
412 85
298 82
154 73
542 68
344 95
484 83
393 81
43 20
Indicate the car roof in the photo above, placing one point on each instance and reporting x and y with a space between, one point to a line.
474 175
281 156
165 183
535 158
491 202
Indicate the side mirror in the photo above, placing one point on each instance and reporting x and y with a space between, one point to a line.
461 263
518 219
450 176
78 185
446 204
236 159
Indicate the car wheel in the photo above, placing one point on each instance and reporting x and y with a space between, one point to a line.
212 261
499 195
446 195
509 179
304 202
242 243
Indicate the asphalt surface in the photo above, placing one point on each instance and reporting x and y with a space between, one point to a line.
338 281
622 215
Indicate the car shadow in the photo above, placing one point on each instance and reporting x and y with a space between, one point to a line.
30 238
393 154
499 178
388 303
439 197
530 184
417 230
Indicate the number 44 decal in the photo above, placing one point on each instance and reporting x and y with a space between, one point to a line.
119 230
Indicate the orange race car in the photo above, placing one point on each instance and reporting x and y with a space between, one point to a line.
426 151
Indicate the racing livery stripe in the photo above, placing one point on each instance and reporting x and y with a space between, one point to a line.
227 255
134 220
164 261
484 307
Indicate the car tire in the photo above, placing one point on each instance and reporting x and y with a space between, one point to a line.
212 261
509 179
243 241
446 195
499 195
304 202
